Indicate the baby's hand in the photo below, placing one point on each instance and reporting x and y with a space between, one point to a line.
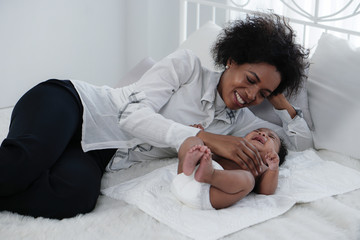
272 159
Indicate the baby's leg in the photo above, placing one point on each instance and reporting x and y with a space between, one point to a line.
227 186
190 154
192 158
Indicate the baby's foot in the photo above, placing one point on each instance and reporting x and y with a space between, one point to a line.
206 169
192 157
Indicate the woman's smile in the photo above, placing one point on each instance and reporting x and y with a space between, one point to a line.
238 99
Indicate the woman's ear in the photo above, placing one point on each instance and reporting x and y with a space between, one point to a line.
229 61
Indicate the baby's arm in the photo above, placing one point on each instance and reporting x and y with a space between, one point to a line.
268 181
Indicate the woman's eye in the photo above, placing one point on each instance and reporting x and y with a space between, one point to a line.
250 80
264 94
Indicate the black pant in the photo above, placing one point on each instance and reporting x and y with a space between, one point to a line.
43 169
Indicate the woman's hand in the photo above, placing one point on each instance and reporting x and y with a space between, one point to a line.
197 126
234 148
280 102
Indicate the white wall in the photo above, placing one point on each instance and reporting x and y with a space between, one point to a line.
41 39
97 41
152 29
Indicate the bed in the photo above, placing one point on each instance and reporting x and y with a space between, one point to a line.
327 99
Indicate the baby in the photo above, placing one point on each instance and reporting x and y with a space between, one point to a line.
207 182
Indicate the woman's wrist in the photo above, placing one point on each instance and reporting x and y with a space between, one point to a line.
210 140
203 136
281 103
290 109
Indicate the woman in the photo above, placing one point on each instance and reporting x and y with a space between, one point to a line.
63 134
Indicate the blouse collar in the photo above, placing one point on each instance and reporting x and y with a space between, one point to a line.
212 99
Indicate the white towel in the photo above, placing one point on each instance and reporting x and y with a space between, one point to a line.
304 177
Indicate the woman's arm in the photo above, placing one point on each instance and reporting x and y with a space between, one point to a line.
295 126
281 103
140 118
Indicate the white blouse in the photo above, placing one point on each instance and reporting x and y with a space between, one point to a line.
154 114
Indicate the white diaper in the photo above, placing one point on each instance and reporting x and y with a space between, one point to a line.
191 192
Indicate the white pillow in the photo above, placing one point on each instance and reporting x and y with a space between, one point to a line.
201 42
136 72
333 91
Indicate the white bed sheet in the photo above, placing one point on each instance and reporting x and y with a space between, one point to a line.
336 217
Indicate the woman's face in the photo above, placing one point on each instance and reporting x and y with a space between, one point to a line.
247 84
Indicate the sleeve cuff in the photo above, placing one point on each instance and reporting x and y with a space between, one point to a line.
177 134
285 116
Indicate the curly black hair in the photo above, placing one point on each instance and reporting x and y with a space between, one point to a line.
283 152
268 38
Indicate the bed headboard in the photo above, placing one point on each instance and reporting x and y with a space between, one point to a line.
308 24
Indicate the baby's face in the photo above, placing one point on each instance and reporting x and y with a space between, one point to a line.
265 140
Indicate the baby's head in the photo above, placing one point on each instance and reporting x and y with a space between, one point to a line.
266 140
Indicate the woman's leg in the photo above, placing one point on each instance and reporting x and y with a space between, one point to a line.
70 187
43 170
42 124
